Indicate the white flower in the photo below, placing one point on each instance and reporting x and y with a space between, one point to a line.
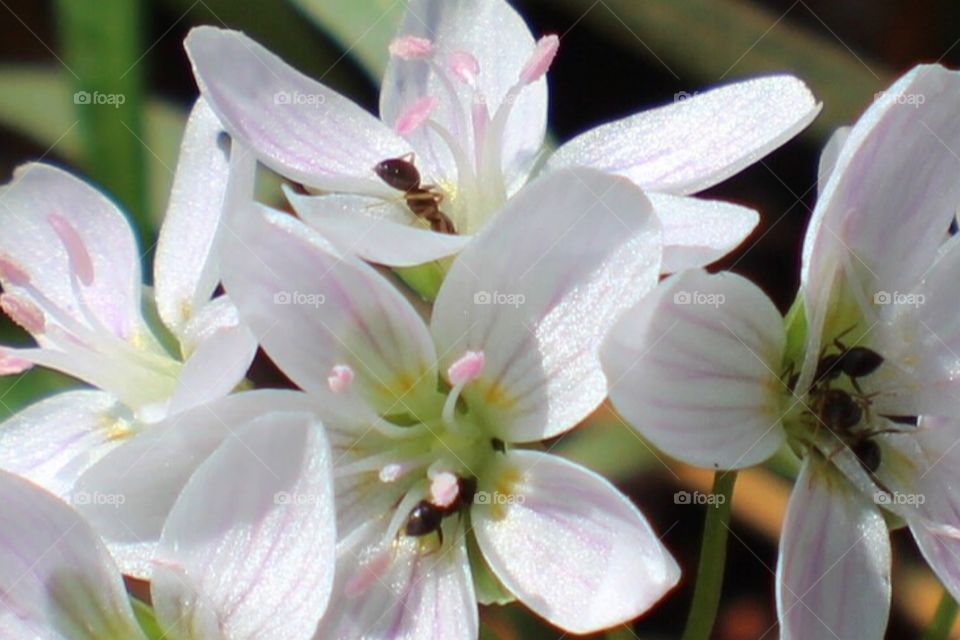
869 400
464 98
425 422
71 276
233 561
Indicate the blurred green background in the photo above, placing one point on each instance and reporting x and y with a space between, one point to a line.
616 57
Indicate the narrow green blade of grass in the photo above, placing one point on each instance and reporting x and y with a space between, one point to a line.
37 102
102 54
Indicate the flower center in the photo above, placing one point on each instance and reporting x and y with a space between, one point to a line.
433 461
835 412
79 340
472 135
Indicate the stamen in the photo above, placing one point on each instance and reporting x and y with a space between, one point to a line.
415 115
444 489
80 262
465 67
24 313
541 59
11 364
11 272
462 372
411 48
340 378
467 368
391 473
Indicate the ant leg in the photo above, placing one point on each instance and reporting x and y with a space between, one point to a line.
436 196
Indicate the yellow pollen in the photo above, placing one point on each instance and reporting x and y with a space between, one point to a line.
116 428
506 486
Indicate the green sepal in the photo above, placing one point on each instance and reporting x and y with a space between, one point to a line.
147 620
425 279
795 324
488 588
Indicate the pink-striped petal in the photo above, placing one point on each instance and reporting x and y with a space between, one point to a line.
698 141
695 368
568 544
251 555
538 290
833 574
295 125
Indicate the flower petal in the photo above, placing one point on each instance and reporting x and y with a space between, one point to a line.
538 290
893 193
374 230
569 545
920 473
109 284
186 269
400 591
297 127
313 309
694 367
695 143
56 577
52 442
257 548
829 156
697 232
139 482
222 350
456 27
919 337
833 574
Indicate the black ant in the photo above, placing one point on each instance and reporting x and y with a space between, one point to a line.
401 174
426 518
840 411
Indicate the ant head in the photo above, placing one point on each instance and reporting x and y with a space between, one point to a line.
399 173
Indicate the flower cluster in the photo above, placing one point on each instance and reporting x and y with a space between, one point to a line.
409 476
861 380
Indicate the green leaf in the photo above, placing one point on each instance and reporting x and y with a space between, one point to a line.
722 41
37 102
17 392
608 446
102 56
363 29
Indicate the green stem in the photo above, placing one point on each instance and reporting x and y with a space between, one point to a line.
943 619
713 555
